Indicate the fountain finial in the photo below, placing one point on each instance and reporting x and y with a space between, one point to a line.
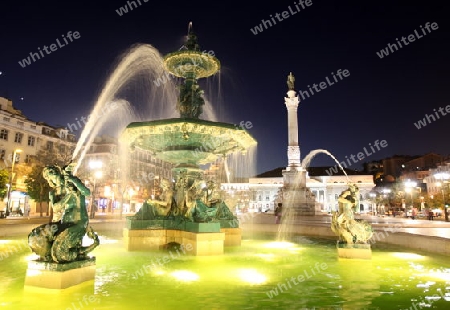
290 81
191 42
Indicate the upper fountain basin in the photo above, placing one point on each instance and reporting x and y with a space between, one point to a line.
186 63
187 141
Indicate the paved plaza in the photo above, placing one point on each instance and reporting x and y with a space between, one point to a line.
16 226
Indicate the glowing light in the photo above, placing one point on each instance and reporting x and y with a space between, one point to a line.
445 276
280 245
5 241
33 273
268 257
185 275
103 240
408 255
426 285
31 257
252 276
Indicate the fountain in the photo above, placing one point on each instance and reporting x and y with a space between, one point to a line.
298 200
190 210
258 274
353 234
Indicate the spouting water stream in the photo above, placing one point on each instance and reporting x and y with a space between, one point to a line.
307 160
119 107
140 61
285 229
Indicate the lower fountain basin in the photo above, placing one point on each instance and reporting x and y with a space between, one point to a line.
257 274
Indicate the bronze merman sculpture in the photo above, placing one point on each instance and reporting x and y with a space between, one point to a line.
60 241
344 224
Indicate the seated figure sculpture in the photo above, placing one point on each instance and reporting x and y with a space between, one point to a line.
166 206
60 241
343 222
198 202
204 203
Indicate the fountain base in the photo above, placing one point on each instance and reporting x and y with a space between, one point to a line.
49 275
354 251
203 239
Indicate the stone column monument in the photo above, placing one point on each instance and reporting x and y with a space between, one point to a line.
292 102
295 194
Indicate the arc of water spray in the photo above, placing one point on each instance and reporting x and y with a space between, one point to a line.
227 170
97 125
138 59
307 160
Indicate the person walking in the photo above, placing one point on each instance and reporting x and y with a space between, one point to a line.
414 213
278 213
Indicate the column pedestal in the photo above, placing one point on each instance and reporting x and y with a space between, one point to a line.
296 195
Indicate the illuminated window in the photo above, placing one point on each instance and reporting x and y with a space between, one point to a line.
4 134
18 137
31 140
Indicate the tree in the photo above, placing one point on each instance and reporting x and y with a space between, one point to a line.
4 179
37 186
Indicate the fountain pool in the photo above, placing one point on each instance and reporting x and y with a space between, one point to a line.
261 274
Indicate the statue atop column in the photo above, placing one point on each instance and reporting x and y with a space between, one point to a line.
290 81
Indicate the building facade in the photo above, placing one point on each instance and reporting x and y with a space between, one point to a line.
261 194
121 182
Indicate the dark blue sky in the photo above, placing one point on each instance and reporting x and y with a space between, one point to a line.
380 100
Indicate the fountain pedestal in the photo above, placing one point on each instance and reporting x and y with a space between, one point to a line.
354 251
51 275
199 239
197 244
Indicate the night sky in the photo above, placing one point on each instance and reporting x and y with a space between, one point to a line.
380 99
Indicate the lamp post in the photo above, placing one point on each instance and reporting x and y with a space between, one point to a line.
443 176
409 186
95 164
11 177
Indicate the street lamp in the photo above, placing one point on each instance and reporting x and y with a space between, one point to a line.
443 176
409 185
11 177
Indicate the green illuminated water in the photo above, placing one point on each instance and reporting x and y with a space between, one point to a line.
246 277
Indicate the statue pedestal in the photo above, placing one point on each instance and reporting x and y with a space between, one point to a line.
296 195
51 275
354 251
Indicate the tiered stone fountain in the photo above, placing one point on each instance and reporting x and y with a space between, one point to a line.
190 211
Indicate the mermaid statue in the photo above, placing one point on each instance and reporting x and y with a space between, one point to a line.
60 240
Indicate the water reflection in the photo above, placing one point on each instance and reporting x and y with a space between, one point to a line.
256 275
